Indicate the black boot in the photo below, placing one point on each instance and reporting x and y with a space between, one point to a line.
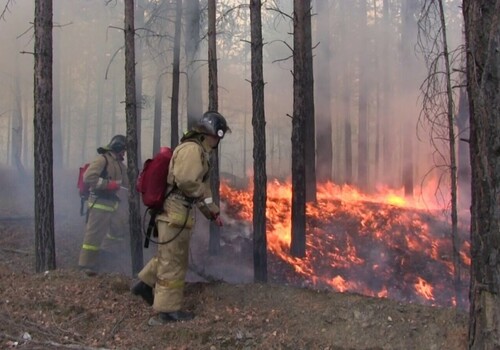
89 271
167 317
144 291
176 316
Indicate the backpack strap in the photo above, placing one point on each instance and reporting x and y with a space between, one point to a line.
104 172
152 229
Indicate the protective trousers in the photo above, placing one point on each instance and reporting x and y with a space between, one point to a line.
104 231
167 270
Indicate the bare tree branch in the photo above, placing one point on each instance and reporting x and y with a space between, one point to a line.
6 9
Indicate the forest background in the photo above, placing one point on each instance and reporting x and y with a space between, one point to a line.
361 101
366 63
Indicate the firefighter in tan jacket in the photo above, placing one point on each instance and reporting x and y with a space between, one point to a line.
106 215
162 279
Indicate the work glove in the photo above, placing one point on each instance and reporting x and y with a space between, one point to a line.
217 220
113 185
210 210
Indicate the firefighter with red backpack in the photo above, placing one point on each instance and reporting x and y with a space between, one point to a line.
162 279
106 221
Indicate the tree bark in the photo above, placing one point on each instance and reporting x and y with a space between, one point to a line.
57 145
324 150
43 157
157 115
174 105
310 123
213 105
132 140
482 32
192 41
463 170
298 234
259 148
138 56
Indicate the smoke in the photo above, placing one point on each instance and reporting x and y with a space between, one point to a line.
90 79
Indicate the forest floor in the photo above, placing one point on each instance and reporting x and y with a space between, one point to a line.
66 309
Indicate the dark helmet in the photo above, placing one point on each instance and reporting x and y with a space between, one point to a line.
117 144
212 123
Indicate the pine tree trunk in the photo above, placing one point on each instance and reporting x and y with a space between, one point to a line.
463 171
17 127
482 32
323 94
259 147
57 145
192 40
174 105
453 161
363 166
310 123
298 234
44 187
140 5
407 64
157 115
132 140
213 105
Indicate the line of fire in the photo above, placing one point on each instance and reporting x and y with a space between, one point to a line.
382 245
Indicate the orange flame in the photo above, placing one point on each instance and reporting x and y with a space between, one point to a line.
370 244
424 289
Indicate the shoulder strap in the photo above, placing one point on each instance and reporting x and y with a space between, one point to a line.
104 172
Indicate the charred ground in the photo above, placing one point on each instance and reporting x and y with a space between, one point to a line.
67 309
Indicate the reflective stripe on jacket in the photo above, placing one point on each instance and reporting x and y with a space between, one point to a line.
104 207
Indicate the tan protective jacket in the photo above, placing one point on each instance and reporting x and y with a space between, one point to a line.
190 172
113 170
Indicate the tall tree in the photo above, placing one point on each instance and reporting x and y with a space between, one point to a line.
463 167
86 111
192 43
324 153
407 64
213 88
139 57
99 82
439 106
387 140
174 105
310 124
482 33
363 165
298 234
345 31
57 147
259 145
17 126
159 22
132 139
44 186
213 105
157 114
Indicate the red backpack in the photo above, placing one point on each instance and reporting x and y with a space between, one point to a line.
152 181
83 188
152 186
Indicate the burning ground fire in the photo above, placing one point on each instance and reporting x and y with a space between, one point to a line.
382 245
